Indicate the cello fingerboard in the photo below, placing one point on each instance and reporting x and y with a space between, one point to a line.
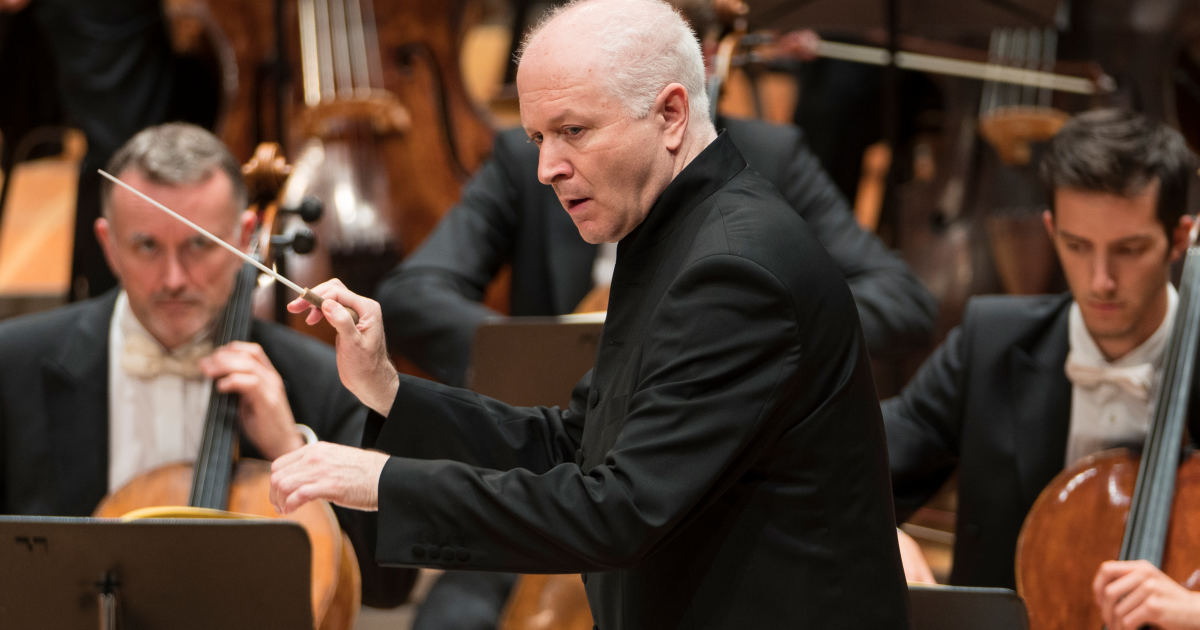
214 464
1150 508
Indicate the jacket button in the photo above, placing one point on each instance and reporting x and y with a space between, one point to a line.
418 551
463 555
435 553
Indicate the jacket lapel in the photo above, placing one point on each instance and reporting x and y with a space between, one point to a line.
1041 398
76 381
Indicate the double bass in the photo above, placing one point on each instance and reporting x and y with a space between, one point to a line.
367 98
1117 504
218 484
387 135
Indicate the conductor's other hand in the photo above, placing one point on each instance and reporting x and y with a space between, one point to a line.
339 474
362 357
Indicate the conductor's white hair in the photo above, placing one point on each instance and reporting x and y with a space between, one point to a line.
645 45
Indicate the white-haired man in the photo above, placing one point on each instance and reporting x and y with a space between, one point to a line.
723 466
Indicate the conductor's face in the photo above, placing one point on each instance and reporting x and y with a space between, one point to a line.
606 167
1116 257
177 280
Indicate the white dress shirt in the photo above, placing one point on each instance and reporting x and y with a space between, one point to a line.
1105 414
151 420
603 264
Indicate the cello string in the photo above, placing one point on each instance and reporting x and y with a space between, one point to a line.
1012 58
1033 61
1049 58
374 60
1145 534
341 51
358 50
987 99
222 442
214 464
309 61
202 484
237 328
1138 511
325 51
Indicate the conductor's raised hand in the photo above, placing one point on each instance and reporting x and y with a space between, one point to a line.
362 358
339 474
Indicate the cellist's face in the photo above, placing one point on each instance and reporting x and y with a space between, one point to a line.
1116 257
177 280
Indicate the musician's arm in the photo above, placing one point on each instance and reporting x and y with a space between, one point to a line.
923 425
896 310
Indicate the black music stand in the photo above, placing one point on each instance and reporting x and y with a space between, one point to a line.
966 608
533 360
80 573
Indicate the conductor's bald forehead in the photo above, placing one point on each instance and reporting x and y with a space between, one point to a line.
591 24
565 32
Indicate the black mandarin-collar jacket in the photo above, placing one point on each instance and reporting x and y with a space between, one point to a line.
725 468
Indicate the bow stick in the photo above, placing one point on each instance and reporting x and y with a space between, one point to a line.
308 295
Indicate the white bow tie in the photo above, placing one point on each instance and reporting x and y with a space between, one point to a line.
1134 379
144 357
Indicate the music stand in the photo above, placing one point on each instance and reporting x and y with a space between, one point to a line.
533 360
79 573
966 608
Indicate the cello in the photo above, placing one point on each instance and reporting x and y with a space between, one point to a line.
219 485
1117 505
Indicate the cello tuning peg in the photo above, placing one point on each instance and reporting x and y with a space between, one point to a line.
309 208
300 241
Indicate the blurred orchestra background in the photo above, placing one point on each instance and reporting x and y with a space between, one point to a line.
384 108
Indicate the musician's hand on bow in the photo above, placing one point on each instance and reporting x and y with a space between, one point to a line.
1133 594
343 475
362 358
803 44
916 568
266 417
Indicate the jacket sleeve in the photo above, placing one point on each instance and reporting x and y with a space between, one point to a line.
897 311
924 425
432 301
695 420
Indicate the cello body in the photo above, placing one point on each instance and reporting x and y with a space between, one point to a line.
1117 506
1078 521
